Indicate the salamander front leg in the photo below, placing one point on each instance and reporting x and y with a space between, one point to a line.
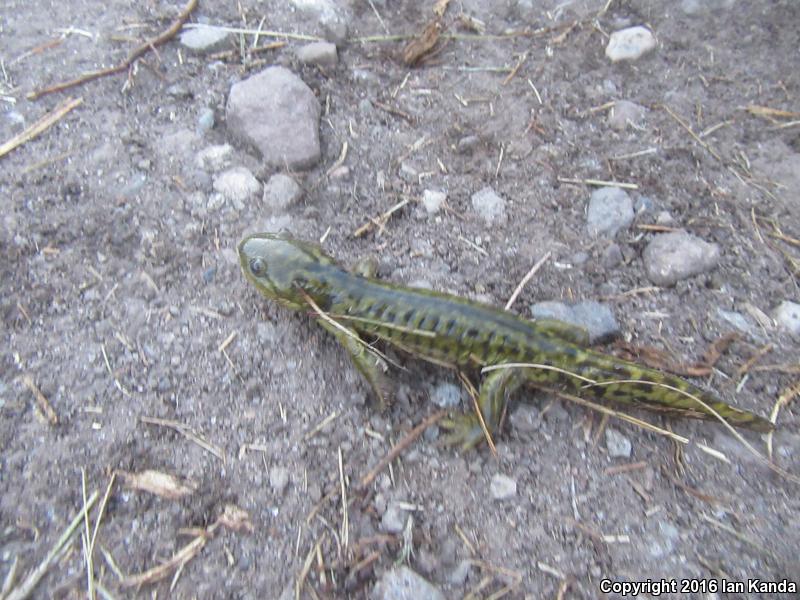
369 364
465 430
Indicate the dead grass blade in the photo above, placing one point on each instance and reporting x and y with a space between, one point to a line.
43 124
158 483
786 396
27 586
232 517
527 278
188 433
41 400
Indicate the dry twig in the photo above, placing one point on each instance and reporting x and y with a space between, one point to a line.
137 53
44 123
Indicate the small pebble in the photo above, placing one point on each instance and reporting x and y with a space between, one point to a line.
393 519
610 210
318 53
467 144
612 256
490 206
408 172
178 90
643 204
625 114
281 192
237 184
446 395
278 479
736 319
630 43
617 444
214 158
204 39
432 200
787 316
503 487
678 255
205 120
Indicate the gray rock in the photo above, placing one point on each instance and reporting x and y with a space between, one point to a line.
738 320
393 519
467 144
624 114
490 206
612 256
596 318
678 255
281 192
237 184
552 309
214 158
204 39
787 316
630 43
178 90
205 120
503 487
432 200
643 204
318 53
408 172
664 218
278 479
618 445
401 583
610 209
279 114
446 395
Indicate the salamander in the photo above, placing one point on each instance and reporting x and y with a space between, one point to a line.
456 332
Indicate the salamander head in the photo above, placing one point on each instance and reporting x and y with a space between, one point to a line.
278 265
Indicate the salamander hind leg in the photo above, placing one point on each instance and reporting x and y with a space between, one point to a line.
466 430
372 367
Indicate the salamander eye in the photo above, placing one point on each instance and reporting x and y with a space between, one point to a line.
258 266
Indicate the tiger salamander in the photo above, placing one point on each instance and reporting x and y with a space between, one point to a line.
453 331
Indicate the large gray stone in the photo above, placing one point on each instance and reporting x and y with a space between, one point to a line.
678 255
277 112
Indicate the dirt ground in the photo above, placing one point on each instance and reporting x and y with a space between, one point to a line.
123 306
